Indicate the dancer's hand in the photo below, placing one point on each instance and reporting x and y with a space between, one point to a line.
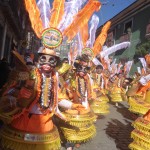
25 93
74 106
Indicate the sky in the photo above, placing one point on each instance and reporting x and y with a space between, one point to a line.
110 8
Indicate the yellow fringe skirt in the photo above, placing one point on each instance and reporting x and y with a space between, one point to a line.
141 135
116 97
16 140
138 106
82 129
104 98
99 107
135 146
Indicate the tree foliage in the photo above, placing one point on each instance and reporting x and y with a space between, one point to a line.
143 49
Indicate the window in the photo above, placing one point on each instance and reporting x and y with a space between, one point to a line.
147 35
128 27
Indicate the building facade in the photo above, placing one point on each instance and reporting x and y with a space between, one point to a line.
132 24
15 29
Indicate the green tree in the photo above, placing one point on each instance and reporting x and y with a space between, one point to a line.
143 49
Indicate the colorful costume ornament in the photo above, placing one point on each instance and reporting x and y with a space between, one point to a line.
99 98
27 107
139 96
112 69
115 90
73 25
32 100
141 133
139 92
81 119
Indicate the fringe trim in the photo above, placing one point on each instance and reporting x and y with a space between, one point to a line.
18 140
135 146
137 106
81 124
100 109
81 120
140 139
103 98
116 97
143 126
79 136
14 145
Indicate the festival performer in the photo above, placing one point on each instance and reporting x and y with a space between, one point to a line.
100 99
30 101
80 92
81 119
28 108
139 101
139 96
117 91
64 71
124 84
69 19
141 133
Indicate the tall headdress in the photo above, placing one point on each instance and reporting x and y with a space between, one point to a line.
67 22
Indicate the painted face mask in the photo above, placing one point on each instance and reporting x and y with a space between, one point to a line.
48 60
82 69
113 78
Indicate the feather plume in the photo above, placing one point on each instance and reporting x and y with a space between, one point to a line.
73 51
101 39
44 8
114 48
114 69
34 16
71 9
96 62
144 64
93 27
80 47
81 19
57 13
68 15
109 63
128 66
84 34
106 63
119 67
139 70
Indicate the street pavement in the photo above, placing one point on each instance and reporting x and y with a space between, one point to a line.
113 130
